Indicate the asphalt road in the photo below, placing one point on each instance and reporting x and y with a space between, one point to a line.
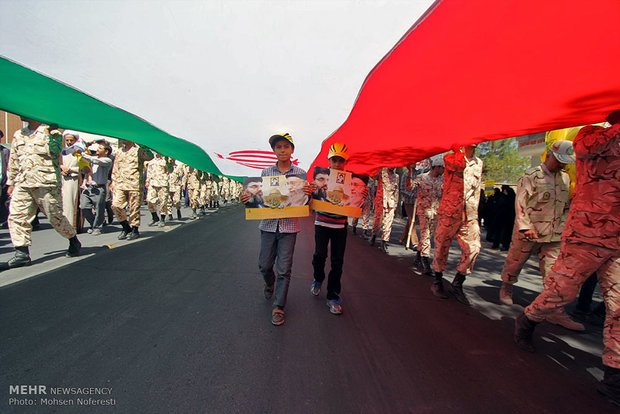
178 324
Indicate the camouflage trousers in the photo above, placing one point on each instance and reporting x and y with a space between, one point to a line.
175 198
129 199
193 194
366 209
158 196
427 228
467 234
576 263
23 207
205 196
521 250
384 217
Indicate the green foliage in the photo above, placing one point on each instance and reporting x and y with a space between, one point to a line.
502 162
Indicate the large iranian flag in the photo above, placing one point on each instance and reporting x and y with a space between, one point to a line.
207 82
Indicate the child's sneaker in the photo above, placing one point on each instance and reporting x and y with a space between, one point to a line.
335 306
315 289
277 316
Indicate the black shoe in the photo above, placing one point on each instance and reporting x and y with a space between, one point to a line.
437 286
457 289
417 261
610 385
21 258
170 218
179 214
74 247
354 230
134 233
384 246
372 240
126 230
426 266
155 220
524 329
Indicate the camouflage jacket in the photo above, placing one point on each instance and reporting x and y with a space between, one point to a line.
157 172
594 215
461 186
428 195
35 159
176 177
542 203
127 172
192 178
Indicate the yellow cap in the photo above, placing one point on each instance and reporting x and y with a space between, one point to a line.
338 149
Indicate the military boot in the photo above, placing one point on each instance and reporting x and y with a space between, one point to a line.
162 221
155 220
610 385
134 233
74 247
524 329
384 246
437 286
21 258
505 294
126 230
426 266
457 288
178 214
372 240
417 261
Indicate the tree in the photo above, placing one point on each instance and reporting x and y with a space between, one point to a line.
502 162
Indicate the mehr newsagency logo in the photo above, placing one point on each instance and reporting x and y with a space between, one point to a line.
44 395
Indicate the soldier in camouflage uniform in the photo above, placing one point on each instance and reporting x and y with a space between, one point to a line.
174 185
458 216
541 209
33 177
127 185
590 243
157 177
386 201
192 183
203 197
427 202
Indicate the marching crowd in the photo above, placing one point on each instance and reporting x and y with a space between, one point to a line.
76 184
576 240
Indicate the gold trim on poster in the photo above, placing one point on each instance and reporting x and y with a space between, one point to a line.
274 213
328 207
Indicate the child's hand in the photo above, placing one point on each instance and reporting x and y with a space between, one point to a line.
245 197
308 189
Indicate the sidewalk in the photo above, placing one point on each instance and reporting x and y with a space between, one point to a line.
48 248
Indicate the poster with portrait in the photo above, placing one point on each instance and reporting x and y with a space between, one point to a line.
276 196
339 192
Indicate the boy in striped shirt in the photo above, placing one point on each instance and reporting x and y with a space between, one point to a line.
328 228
